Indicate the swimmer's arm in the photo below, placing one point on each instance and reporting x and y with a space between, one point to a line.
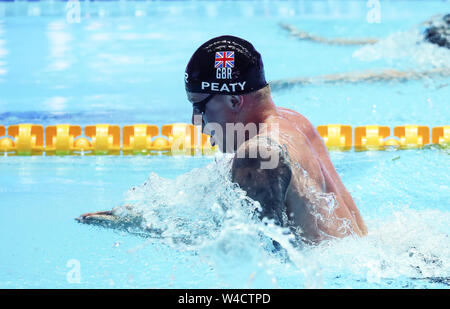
265 177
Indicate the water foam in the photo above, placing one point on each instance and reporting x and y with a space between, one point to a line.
202 211
409 47
407 245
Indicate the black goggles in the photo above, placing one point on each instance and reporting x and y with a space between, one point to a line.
200 107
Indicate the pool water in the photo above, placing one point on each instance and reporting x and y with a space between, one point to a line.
123 64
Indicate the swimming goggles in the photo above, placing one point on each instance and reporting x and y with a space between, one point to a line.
199 107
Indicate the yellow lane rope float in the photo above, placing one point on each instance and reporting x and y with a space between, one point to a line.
185 139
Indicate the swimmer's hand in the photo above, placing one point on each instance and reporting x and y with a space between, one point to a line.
89 217
110 218
121 218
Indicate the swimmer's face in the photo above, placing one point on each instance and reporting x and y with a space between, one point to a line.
218 111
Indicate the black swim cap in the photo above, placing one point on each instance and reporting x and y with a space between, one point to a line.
446 19
439 32
225 65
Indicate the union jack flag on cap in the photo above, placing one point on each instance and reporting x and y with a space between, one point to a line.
224 59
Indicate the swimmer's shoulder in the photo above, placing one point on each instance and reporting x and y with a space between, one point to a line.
262 168
301 121
309 132
262 149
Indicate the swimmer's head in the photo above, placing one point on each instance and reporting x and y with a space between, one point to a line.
225 65
229 118
222 77
446 19
439 32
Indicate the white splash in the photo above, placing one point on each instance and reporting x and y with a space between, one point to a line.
202 211
408 46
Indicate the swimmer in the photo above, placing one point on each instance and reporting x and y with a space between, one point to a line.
437 32
283 164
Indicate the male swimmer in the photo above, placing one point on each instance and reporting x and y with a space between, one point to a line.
437 32
283 164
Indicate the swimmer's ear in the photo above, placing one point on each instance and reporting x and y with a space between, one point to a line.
236 102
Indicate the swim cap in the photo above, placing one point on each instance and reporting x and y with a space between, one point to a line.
225 65
439 32
446 19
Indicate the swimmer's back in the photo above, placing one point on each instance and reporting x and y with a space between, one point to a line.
332 179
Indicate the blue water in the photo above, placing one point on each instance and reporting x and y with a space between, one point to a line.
124 62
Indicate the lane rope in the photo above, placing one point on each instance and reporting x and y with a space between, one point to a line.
185 139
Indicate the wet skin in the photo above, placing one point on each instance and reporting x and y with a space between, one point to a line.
297 192
292 193
287 191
